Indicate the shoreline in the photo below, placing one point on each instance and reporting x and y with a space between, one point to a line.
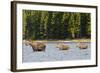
74 40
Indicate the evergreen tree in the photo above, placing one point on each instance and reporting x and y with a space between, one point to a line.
55 25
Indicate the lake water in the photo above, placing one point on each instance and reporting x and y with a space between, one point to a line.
52 53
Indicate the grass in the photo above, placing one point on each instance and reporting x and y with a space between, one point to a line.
81 40
67 40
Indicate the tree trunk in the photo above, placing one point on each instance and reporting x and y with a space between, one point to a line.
73 35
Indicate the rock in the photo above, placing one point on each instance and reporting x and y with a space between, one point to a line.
82 45
62 46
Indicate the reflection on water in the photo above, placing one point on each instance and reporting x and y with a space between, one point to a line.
52 53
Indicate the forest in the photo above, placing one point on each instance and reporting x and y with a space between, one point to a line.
53 25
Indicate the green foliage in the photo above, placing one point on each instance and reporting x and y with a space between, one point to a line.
55 25
85 29
74 24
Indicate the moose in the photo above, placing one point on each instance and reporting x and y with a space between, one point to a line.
62 46
36 46
82 45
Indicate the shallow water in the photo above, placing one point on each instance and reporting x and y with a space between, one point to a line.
52 53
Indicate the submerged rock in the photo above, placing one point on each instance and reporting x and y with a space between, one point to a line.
62 46
82 45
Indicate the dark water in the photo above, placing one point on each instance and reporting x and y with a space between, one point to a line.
54 54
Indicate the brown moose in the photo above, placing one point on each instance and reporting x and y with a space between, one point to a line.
36 46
